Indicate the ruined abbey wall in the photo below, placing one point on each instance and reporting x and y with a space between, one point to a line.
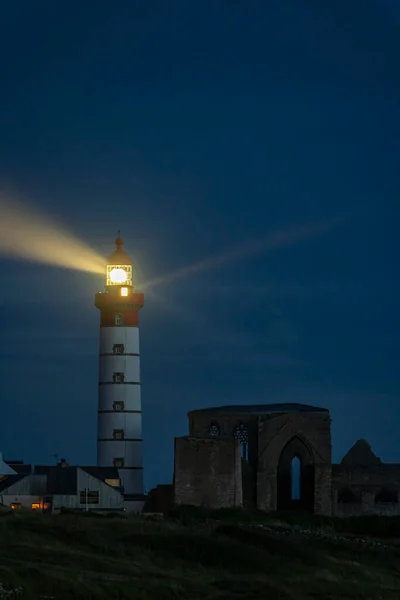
208 472
245 459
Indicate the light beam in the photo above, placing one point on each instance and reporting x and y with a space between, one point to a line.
28 234
281 238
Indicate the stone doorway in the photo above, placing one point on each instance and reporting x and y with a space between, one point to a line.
295 484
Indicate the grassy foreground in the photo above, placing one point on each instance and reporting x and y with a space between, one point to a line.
197 555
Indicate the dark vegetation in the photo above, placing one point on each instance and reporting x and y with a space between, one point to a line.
194 553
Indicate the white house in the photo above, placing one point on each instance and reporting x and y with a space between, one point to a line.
53 488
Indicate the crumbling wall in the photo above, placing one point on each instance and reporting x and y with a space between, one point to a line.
208 472
371 486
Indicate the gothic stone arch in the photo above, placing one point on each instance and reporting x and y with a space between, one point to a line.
296 448
279 438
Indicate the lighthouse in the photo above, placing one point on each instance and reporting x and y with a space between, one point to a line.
119 431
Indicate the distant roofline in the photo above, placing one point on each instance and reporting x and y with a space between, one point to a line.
94 471
283 407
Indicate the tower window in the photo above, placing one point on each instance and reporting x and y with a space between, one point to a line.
213 430
119 405
118 348
240 432
118 434
119 319
118 377
119 462
124 291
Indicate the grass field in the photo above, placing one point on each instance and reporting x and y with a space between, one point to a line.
196 554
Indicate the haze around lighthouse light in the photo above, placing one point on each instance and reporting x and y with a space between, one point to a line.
26 233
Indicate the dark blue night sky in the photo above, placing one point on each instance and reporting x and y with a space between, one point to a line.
197 127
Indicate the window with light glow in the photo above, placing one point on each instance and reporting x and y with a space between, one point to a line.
119 275
36 506
16 505
124 291
112 482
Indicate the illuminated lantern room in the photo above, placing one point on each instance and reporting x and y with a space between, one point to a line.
119 268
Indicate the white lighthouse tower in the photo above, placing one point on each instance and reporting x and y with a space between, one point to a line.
119 433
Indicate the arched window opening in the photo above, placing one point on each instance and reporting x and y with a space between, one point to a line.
387 496
347 496
214 430
119 319
296 478
240 432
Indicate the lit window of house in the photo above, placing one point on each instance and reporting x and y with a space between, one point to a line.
113 482
124 291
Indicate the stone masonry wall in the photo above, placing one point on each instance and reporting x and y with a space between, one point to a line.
207 472
365 482
274 432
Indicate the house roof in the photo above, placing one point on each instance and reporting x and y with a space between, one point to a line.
5 469
63 480
102 473
20 467
262 408
9 480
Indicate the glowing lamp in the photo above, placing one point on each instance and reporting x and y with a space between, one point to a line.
124 291
118 275
119 267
